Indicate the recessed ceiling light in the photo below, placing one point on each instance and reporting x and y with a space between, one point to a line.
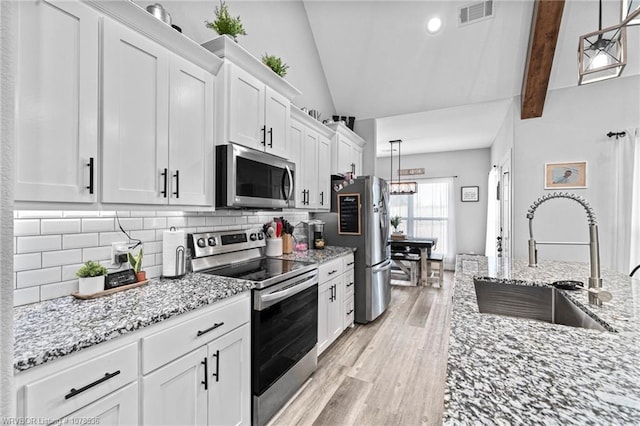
434 24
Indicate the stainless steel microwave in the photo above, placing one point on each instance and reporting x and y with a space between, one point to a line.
254 179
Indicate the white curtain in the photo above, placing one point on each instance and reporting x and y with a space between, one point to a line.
492 214
626 245
450 255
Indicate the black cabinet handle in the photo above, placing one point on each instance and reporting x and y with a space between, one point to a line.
331 296
205 382
350 263
177 176
73 391
217 373
349 313
90 165
270 137
264 135
164 185
350 284
216 325
322 198
332 272
308 197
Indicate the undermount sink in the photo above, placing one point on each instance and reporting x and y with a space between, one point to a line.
532 302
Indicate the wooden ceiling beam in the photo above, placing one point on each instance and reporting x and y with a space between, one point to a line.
545 27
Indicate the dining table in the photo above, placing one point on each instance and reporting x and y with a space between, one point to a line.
423 245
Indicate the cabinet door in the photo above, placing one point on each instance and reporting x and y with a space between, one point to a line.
310 169
336 316
325 297
278 121
324 177
56 102
229 378
356 159
118 408
246 109
175 394
344 155
135 140
191 141
296 139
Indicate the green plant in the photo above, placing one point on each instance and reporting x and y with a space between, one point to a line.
275 64
225 23
135 261
395 222
91 269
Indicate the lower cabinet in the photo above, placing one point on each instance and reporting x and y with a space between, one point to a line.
118 408
210 385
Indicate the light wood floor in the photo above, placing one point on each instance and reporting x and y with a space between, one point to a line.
389 372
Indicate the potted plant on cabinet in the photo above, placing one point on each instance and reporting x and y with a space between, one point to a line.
225 23
91 277
276 64
136 265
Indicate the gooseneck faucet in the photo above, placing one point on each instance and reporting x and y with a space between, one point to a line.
595 281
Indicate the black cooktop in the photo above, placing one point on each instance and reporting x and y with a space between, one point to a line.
265 270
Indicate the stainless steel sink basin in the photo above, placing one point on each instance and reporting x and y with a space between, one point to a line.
538 303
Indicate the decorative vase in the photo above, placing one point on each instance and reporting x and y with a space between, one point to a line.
141 276
90 285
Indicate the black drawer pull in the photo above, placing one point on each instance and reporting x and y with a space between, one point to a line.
332 272
177 176
216 374
73 392
349 313
216 325
350 284
350 263
164 185
205 382
322 198
270 137
90 165
264 135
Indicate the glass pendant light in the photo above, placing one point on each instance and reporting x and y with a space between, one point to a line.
400 187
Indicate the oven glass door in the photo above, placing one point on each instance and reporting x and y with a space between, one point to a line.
282 334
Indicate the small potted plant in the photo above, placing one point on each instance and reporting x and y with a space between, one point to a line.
136 264
276 64
91 277
225 23
395 222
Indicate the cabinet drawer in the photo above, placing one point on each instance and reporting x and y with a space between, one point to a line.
175 341
329 270
348 311
349 281
60 394
348 262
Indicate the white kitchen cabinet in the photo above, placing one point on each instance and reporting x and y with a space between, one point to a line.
56 149
348 156
311 150
211 383
118 409
331 303
258 116
158 126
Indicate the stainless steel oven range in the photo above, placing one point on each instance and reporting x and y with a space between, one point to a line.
284 318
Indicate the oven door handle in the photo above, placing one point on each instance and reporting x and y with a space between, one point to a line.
386 265
277 296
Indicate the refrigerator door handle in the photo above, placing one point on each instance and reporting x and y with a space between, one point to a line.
383 267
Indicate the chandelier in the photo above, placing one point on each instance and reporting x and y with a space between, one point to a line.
399 187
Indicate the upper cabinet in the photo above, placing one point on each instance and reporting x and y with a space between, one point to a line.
254 108
57 102
152 98
349 150
158 123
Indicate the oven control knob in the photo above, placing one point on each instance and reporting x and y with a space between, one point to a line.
253 237
212 242
201 243
260 236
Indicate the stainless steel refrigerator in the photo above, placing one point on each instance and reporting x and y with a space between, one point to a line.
359 218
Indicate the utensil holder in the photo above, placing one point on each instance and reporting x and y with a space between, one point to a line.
274 247
287 244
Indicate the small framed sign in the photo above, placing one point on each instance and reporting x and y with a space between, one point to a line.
565 175
469 193
349 214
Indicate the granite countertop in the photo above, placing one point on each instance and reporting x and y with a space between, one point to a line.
54 328
319 256
504 370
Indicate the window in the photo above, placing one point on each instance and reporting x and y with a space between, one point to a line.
428 213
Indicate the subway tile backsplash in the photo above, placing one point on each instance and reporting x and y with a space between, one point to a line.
50 246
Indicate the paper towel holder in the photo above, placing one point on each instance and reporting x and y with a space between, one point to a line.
179 269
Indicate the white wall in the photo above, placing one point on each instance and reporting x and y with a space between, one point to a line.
504 139
472 168
573 127
278 28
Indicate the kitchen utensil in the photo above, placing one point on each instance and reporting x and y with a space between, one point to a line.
271 233
159 12
279 229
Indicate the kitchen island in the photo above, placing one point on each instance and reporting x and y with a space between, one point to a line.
504 370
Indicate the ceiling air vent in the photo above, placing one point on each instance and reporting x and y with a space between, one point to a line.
475 12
